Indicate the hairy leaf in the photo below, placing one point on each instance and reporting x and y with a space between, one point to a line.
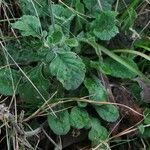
96 89
7 79
26 90
63 16
104 26
69 69
29 6
72 42
25 53
98 48
79 117
101 66
60 125
79 7
118 70
28 25
109 113
94 7
55 36
97 133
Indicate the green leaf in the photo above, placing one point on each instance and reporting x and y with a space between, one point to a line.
147 116
55 36
79 117
118 70
128 22
142 43
135 89
79 7
109 113
26 52
61 13
96 89
6 77
26 90
107 4
60 125
28 25
82 104
146 133
141 128
69 69
50 56
97 133
104 26
101 66
63 16
41 6
72 42
98 48
94 7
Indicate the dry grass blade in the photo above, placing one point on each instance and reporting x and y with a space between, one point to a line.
95 102
40 109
